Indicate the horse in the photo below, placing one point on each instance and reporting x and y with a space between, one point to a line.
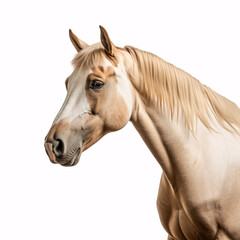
192 131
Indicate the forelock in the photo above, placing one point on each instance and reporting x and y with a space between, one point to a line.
91 57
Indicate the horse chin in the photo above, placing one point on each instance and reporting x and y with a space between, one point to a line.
73 161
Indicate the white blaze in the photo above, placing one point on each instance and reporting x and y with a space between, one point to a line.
76 102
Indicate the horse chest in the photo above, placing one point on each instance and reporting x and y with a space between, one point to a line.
177 222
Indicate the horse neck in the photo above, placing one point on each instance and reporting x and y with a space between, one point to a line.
166 137
177 116
165 131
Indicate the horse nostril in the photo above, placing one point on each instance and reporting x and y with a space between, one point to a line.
58 148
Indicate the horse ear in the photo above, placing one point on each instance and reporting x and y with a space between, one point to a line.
106 41
77 43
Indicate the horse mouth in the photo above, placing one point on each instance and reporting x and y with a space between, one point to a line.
71 159
74 158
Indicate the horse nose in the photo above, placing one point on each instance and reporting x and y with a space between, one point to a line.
58 147
55 142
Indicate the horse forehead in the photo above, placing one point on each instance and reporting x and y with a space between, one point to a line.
107 69
103 71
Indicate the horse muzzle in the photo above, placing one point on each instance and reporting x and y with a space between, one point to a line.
63 146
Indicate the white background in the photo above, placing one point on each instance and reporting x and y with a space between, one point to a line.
111 194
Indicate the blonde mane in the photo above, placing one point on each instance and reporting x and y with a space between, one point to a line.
89 57
176 89
92 56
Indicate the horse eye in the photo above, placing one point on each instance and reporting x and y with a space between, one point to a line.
96 84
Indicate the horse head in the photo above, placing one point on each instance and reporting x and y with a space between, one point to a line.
99 100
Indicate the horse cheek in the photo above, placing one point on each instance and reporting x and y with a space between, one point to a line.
116 115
